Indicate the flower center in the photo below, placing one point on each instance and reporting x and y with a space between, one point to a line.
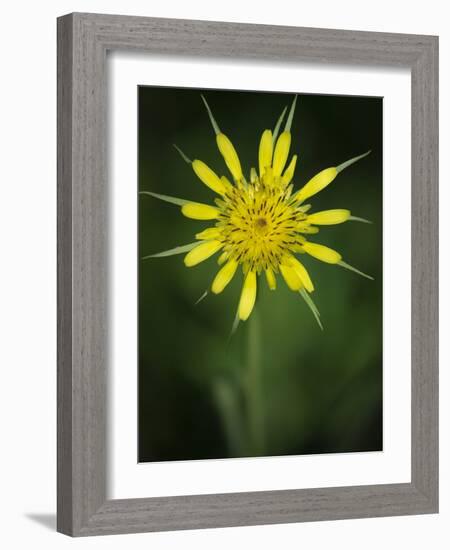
261 226
258 226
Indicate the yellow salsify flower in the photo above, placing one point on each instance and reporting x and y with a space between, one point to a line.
260 224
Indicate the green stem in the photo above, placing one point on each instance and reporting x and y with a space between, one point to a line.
227 403
254 385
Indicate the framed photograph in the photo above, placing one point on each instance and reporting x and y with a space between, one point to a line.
247 274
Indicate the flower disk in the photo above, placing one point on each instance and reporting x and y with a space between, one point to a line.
259 225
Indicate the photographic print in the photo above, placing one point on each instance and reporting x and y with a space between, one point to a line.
260 274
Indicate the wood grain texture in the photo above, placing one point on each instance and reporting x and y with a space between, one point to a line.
424 279
83 41
64 299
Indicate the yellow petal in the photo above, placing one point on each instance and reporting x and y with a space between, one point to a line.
265 151
304 227
198 211
226 183
208 234
248 296
300 270
288 192
329 217
270 278
208 177
324 178
291 277
268 176
222 258
230 156
281 153
224 276
289 172
202 252
316 184
322 252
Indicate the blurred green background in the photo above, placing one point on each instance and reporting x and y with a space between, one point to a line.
320 392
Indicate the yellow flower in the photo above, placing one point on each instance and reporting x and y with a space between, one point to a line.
260 225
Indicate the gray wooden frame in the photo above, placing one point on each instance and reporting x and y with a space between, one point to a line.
83 41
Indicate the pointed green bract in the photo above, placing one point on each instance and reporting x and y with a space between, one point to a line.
287 128
172 251
165 198
312 306
202 297
351 268
356 219
211 117
235 324
278 126
183 156
348 163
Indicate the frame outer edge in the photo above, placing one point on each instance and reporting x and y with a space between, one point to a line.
260 508
83 40
89 270
265 42
64 275
425 272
